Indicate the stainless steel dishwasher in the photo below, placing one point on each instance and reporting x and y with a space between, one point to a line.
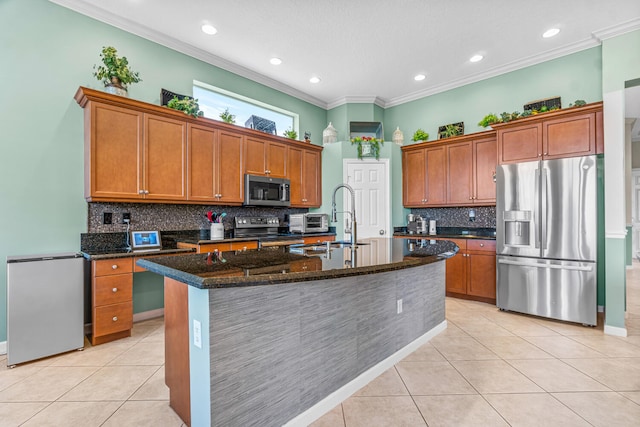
45 305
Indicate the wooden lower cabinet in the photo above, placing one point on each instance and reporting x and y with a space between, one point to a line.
471 273
220 247
112 299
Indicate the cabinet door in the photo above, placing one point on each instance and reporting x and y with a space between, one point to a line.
484 170
201 147
436 176
294 169
311 178
228 166
520 144
414 178
569 136
114 143
276 160
456 273
165 158
482 275
255 159
459 173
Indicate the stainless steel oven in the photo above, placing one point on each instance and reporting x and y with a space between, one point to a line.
308 223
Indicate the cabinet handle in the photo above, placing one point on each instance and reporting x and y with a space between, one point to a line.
482 245
115 318
544 154
114 290
146 191
140 191
539 155
114 267
470 198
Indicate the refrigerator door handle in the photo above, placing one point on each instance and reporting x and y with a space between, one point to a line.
542 265
536 209
544 214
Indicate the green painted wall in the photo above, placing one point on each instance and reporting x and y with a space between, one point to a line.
52 51
629 246
620 61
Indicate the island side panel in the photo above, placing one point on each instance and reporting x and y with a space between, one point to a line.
278 350
176 347
200 363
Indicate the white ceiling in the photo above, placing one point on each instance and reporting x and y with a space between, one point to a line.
368 50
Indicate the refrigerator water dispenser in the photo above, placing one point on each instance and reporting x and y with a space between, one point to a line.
516 228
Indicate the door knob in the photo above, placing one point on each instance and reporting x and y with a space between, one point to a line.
382 232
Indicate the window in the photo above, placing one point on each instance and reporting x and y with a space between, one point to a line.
213 101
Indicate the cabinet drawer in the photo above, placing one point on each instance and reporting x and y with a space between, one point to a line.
108 267
481 245
112 289
112 318
210 247
240 246
319 239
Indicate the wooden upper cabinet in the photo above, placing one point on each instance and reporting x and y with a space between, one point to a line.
165 158
521 144
304 171
414 177
484 170
264 157
135 151
202 145
564 133
229 168
569 136
436 176
113 154
460 173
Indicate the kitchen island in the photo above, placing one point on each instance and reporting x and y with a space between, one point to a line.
279 336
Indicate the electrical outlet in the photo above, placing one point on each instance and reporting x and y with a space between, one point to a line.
197 333
107 218
399 306
126 217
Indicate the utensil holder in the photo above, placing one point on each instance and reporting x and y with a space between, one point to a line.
217 231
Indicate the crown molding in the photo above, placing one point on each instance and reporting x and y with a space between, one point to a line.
184 48
357 100
616 30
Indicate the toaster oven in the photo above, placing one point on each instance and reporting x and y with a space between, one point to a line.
308 223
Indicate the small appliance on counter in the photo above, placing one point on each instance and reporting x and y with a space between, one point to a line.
309 223
416 224
432 226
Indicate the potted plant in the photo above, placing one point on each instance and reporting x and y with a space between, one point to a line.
227 117
188 105
290 133
420 135
368 146
488 120
115 72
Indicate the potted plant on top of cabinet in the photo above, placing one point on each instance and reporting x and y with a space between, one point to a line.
368 146
420 135
115 72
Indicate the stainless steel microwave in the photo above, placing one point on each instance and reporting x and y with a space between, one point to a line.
308 223
266 191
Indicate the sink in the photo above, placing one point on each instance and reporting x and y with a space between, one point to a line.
322 247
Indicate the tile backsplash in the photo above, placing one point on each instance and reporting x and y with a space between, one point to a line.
459 217
163 217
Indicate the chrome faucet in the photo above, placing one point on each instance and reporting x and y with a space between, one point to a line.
334 217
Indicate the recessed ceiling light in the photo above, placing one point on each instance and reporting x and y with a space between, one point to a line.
275 61
314 79
476 58
550 32
208 29
419 77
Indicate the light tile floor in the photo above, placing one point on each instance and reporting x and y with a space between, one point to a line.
489 368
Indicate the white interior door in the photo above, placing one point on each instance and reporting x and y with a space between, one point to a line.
635 216
370 181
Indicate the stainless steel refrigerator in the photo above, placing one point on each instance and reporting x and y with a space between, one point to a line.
546 238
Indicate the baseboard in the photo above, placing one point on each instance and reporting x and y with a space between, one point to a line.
615 331
3 347
146 315
343 393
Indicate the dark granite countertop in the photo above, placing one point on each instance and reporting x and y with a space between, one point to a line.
450 233
196 240
296 263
